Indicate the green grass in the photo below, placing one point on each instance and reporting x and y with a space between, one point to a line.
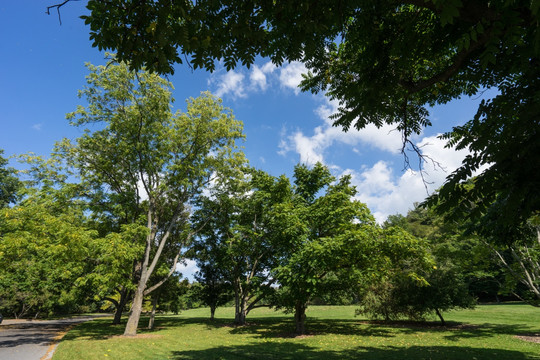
488 332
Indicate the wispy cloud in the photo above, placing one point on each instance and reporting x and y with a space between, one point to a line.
313 147
383 189
231 83
241 83
37 127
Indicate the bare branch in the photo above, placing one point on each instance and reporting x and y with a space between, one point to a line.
408 145
58 6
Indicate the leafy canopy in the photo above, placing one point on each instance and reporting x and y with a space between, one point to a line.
384 61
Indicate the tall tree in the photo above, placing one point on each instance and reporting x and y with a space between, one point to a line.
384 61
148 161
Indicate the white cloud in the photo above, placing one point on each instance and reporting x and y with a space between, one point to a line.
387 193
258 76
231 83
384 193
258 79
240 83
188 268
385 138
268 68
309 149
37 127
291 75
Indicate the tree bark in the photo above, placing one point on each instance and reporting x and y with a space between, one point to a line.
136 309
153 313
212 312
300 317
240 305
124 296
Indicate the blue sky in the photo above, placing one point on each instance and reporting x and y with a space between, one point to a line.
42 67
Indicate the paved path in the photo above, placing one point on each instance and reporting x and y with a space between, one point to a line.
33 339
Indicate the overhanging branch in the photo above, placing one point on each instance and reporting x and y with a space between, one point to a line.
58 6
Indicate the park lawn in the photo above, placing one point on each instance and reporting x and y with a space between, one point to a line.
488 332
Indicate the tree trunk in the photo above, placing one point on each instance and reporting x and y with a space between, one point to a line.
136 309
300 317
239 304
212 312
241 311
153 313
124 296
240 318
440 317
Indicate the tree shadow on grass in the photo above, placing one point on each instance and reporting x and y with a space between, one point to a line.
487 330
283 327
300 351
271 328
101 329
98 329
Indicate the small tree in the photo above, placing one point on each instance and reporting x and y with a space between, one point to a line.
238 242
215 289
330 236
410 287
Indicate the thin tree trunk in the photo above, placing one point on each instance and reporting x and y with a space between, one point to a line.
124 296
212 312
440 317
300 317
239 304
153 313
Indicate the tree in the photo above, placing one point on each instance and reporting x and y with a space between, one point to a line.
211 257
148 163
384 61
336 245
215 288
44 245
238 242
9 183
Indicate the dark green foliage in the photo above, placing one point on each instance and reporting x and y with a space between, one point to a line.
9 183
341 248
243 235
384 61
503 140
405 297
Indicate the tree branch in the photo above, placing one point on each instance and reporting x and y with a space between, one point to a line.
416 86
58 6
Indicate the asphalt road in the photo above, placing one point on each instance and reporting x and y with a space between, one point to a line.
33 339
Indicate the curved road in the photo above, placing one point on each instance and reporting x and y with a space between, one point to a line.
33 339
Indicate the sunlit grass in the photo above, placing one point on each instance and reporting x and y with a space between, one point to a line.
334 333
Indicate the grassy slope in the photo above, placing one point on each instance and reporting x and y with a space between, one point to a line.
335 334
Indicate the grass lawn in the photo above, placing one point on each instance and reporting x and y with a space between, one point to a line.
488 332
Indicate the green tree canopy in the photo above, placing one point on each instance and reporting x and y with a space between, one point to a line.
45 245
384 61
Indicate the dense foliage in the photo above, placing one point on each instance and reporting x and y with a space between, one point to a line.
384 61
144 164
